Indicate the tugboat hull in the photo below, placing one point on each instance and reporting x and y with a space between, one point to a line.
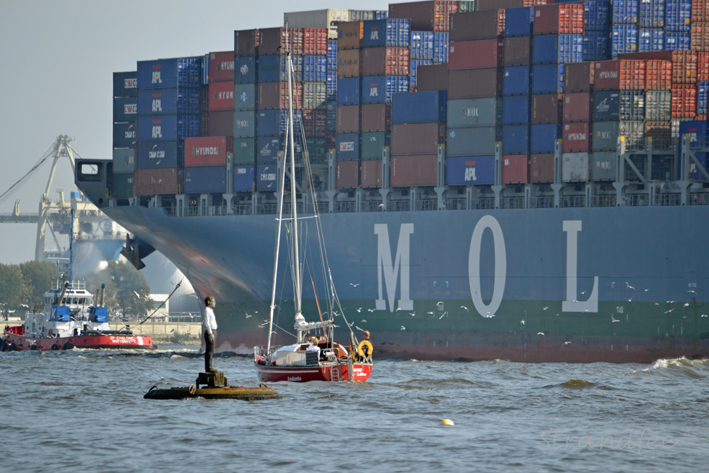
14 341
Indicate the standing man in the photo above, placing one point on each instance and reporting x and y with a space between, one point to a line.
209 327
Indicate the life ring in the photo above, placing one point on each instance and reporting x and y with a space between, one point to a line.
55 347
67 346
33 347
365 343
191 389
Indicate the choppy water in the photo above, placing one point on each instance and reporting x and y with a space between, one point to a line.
84 411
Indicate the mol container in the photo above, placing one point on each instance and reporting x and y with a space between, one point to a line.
205 180
477 25
574 167
479 141
125 84
243 178
476 54
425 16
167 127
474 112
205 151
169 101
604 165
170 73
515 169
541 168
419 107
371 174
414 171
566 18
557 49
244 124
470 171
160 155
576 137
149 182
221 66
606 134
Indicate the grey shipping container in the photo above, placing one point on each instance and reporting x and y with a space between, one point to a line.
314 95
474 83
517 51
604 165
658 105
123 160
419 138
245 97
123 186
433 77
471 141
244 124
605 134
348 119
373 144
574 167
317 19
474 112
244 151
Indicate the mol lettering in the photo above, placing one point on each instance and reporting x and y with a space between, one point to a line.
388 271
572 227
156 78
470 112
487 222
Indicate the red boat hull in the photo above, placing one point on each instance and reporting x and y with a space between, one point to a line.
302 374
22 342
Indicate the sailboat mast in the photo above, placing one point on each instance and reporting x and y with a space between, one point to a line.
294 206
71 249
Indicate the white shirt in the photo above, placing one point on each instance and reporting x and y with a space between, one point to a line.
209 322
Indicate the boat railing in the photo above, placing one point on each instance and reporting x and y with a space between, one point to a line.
665 200
603 201
636 200
399 205
573 201
346 207
512 202
484 203
243 209
267 209
372 206
426 204
699 198
541 202
456 203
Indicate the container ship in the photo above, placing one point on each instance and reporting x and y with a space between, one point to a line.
502 179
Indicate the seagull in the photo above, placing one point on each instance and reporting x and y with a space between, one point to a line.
248 316
541 333
381 205
463 307
693 292
567 343
521 322
430 313
686 304
354 285
628 285
359 310
667 312
403 328
582 293
545 308
646 290
412 314
370 310
657 303
704 315
613 319
630 300
364 321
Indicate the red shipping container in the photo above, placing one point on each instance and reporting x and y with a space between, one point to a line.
684 67
315 41
158 181
700 10
468 26
221 123
564 18
484 5
371 174
578 76
274 95
348 119
425 16
419 138
547 108
205 151
577 107
474 83
246 42
389 61
702 66
475 54
414 171
376 117
577 137
541 168
623 74
700 36
347 174
315 122
515 168
684 101
221 96
280 41
658 75
221 66
349 35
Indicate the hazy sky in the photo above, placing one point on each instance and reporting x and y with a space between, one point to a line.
57 60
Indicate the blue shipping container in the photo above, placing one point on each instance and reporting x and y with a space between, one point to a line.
170 73
243 179
332 85
625 11
422 45
169 101
544 137
677 40
415 63
245 69
347 147
380 89
698 132
515 110
606 105
244 124
389 32
518 21
419 107
124 135
160 155
266 178
651 39
556 49
205 180
548 79
596 45
332 55
245 97
440 47
268 149
273 122
348 92
516 80
477 170
515 139
625 39
315 68
125 84
125 109
272 68
652 14
168 127
702 87
597 15
678 15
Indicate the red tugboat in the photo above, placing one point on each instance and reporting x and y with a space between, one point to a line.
318 358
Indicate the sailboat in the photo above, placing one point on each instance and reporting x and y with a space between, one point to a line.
315 356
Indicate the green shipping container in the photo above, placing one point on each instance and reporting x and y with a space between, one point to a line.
466 6
244 151
123 186
373 144
317 149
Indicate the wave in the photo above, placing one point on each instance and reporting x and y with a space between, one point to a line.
573 384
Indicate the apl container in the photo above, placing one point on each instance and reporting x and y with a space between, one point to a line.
244 124
348 91
245 69
244 178
577 107
419 107
414 171
221 96
125 84
389 32
479 141
169 101
470 171
348 119
475 112
517 80
347 174
515 139
473 83
515 169
544 138
479 54
123 160
205 180
244 151
541 168
169 73
519 21
477 25
245 97
160 155
151 182
266 178
348 147
420 138
556 49
516 110
574 167
380 89
604 165
548 79
205 151
123 186
125 109
547 108
371 174
167 127
577 137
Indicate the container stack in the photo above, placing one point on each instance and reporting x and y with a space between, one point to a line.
315 92
168 113
125 112
597 30
205 165
624 29
678 26
244 115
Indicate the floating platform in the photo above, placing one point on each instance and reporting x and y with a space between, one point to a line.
215 387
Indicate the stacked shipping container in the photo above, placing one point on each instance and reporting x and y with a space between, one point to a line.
125 113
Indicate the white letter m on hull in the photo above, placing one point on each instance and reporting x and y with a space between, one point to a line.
391 271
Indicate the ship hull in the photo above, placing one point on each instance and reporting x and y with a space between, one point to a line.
620 284
21 342
302 374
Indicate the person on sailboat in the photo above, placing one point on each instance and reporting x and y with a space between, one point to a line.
209 327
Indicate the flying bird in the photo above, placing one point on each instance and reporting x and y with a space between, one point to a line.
463 307
248 316
364 321
668 311
370 310
354 285
359 310
541 333
567 343
613 319
412 314
403 328
628 285
686 304
522 322
545 308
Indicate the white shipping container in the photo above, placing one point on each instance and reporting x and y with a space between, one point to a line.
574 167
317 19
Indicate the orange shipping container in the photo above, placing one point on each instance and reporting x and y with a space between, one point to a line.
158 181
684 67
347 174
658 75
515 169
684 101
349 35
702 66
414 171
700 36
623 74
349 63
315 41
700 11
371 174
389 61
